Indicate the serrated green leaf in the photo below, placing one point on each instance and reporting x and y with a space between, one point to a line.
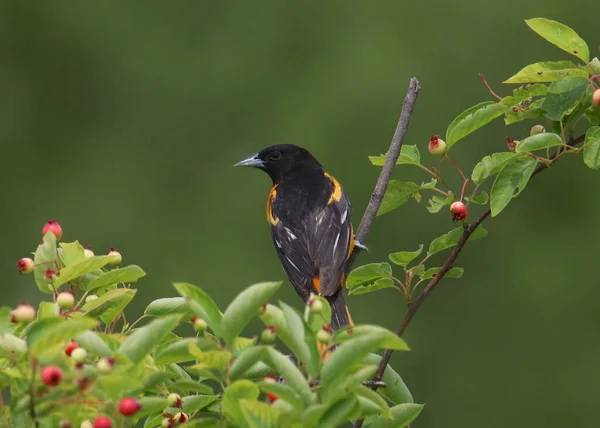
176 352
48 334
402 415
397 194
455 272
561 36
563 96
273 316
409 155
338 412
247 358
234 393
45 258
150 405
283 366
107 306
380 284
450 239
473 119
531 111
511 181
591 149
539 142
168 306
436 203
259 415
524 93
549 71
403 258
72 252
491 165
144 339
154 379
93 343
482 198
396 390
367 274
118 384
202 305
388 339
244 307
80 268
124 275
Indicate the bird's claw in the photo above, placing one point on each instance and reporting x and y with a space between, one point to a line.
361 246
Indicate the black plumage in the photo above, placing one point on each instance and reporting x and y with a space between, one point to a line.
310 218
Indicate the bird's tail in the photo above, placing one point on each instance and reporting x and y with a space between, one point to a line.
340 317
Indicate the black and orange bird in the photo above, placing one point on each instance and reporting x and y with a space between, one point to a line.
310 220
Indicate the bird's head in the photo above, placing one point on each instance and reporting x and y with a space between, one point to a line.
281 161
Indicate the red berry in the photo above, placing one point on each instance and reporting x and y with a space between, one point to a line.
102 422
51 375
437 146
272 397
71 347
25 265
596 98
65 424
50 274
129 406
459 211
54 227
512 144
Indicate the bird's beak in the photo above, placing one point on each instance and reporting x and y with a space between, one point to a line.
253 161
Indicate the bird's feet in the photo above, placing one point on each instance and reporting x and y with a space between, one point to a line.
358 244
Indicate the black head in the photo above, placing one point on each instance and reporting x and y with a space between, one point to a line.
282 161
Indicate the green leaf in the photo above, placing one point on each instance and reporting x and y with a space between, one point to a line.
118 384
124 275
473 119
193 403
247 358
563 96
436 203
12 343
591 149
490 166
380 284
428 185
300 347
396 390
150 405
375 399
283 392
387 338
5 322
550 71
217 360
45 258
109 305
524 93
202 305
397 194
47 310
455 272
317 321
402 414
592 115
72 252
244 307
283 366
352 352
450 239
144 339
367 274
539 142
190 386
409 155
155 379
530 111
561 36
403 258
234 393
481 198
273 316
259 415
511 181
47 334
80 268
91 341
168 306
338 412
176 352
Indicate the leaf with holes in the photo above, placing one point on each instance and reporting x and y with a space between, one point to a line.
563 96
550 71
560 35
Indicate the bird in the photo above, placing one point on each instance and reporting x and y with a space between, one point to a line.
310 218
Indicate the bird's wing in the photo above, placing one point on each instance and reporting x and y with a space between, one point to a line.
330 240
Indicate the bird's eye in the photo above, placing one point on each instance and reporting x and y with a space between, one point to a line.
275 156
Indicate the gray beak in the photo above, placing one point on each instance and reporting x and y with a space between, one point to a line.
253 161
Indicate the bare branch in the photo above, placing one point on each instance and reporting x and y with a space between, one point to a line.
386 171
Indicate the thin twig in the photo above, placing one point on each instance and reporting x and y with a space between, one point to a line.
386 171
489 88
467 232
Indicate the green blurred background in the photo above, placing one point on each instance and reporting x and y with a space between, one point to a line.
122 121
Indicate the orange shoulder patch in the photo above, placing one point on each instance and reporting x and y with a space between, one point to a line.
317 284
336 195
272 195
